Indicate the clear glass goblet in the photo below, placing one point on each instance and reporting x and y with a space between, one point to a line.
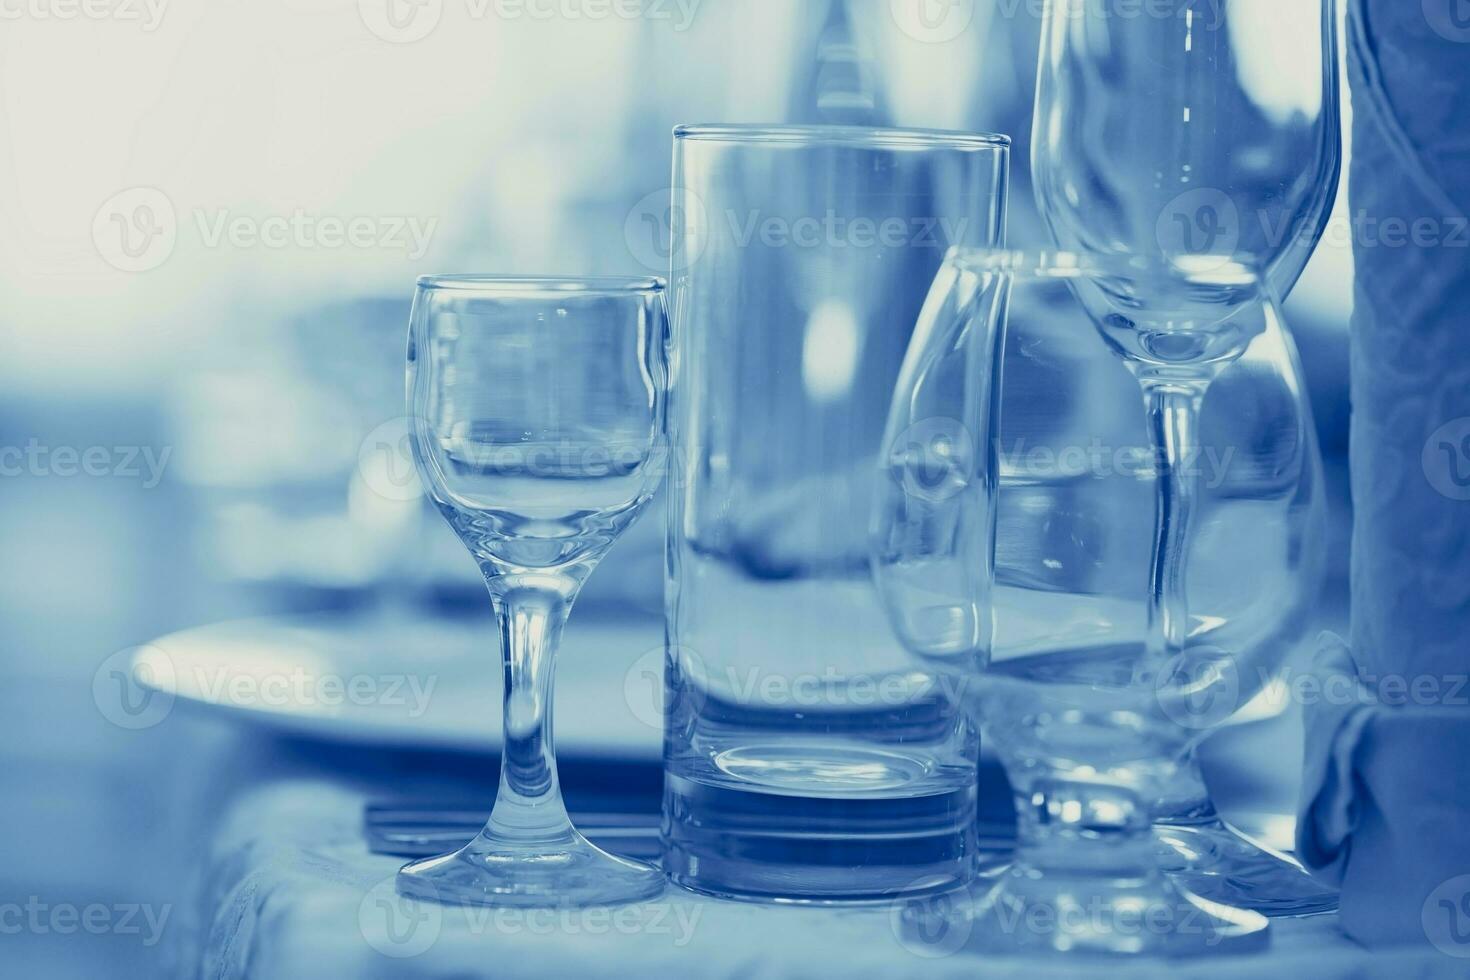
1090 720
537 412
1203 132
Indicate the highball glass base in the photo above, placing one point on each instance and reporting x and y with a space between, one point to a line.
1216 862
567 872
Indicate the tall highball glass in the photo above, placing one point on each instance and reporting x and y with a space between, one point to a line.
807 759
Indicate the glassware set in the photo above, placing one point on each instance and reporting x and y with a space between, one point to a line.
861 577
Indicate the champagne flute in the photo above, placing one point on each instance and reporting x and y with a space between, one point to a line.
537 412
1202 133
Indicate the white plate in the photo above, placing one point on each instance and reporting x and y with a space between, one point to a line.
422 682
412 682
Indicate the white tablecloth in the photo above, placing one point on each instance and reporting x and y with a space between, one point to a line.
290 890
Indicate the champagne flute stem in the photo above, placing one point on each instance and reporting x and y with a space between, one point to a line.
532 609
1173 418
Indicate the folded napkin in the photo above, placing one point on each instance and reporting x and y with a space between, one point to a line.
1387 791
1386 804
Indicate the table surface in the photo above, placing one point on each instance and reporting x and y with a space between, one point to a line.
287 886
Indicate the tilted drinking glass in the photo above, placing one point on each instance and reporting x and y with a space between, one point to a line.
1089 721
537 413
1201 132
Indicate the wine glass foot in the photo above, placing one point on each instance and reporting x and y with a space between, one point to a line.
1028 913
1214 861
568 872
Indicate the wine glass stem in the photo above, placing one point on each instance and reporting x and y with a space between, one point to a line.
1173 415
532 609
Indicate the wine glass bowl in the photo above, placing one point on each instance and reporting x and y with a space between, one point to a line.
1203 132
536 421
537 414
1183 323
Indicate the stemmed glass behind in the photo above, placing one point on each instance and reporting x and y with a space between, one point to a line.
1202 134
537 414
1090 735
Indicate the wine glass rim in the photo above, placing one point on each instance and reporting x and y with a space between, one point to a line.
829 134
1212 270
595 285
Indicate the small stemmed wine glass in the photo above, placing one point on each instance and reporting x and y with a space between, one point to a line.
1198 133
537 412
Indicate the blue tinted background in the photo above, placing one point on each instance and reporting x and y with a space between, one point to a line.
312 158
